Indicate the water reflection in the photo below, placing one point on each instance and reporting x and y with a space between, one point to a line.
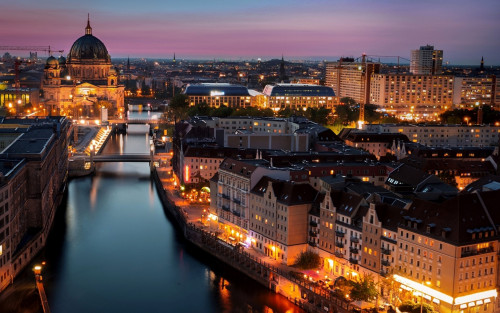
114 250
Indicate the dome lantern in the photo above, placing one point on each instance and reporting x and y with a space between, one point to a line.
88 29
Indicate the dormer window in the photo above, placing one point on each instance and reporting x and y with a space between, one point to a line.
428 230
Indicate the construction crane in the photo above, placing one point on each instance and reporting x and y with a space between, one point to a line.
30 48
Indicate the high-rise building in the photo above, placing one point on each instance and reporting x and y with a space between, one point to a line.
426 60
351 79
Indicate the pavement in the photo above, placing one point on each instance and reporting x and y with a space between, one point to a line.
85 136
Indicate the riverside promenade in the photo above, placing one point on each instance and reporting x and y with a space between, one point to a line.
268 272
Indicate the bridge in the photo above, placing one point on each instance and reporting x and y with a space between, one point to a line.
136 121
130 157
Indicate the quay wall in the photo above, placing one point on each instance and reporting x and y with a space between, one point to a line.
298 291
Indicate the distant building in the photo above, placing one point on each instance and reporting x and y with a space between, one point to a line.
474 91
412 97
218 94
426 61
443 135
13 99
299 96
375 143
351 79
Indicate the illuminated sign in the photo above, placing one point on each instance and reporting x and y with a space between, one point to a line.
476 296
424 289
186 171
216 93
462 301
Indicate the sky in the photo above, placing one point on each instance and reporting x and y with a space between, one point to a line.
465 30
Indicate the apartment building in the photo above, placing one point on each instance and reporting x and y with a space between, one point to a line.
442 135
426 60
412 97
230 193
351 79
447 251
474 91
378 144
279 218
33 170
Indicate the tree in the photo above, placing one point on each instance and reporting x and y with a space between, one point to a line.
307 260
178 106
200 109
145 90
364 289
222 111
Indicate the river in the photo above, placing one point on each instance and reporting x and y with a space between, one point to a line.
113 249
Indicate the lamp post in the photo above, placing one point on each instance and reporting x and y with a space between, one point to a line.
428 283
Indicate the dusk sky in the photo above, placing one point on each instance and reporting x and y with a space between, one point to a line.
242 29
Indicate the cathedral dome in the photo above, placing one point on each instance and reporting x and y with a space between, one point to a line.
52 62
88 47
62 60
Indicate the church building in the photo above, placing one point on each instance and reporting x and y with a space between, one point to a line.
84 82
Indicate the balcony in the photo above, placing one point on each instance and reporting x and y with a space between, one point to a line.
313 234
384 273
339 234
468 253
355 239
339 244
313 224
225 208
312 244
385 251
386 263
237 201
225 196
237 213
353 250
339 254
353 261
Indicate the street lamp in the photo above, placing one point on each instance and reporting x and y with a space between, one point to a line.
428 283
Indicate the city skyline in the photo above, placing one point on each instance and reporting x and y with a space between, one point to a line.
321 30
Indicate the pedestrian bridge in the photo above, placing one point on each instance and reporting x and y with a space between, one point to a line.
129 157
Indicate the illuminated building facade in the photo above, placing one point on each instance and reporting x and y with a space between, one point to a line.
351 79
279 218
84 82
217 94
299 96
443 135
474 91
230 194
418 97
13 98
426 61
448 252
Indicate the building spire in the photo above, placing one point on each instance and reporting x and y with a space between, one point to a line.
174 58
88 29
481 68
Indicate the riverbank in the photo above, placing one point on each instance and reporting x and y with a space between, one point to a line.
90 139
268 272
